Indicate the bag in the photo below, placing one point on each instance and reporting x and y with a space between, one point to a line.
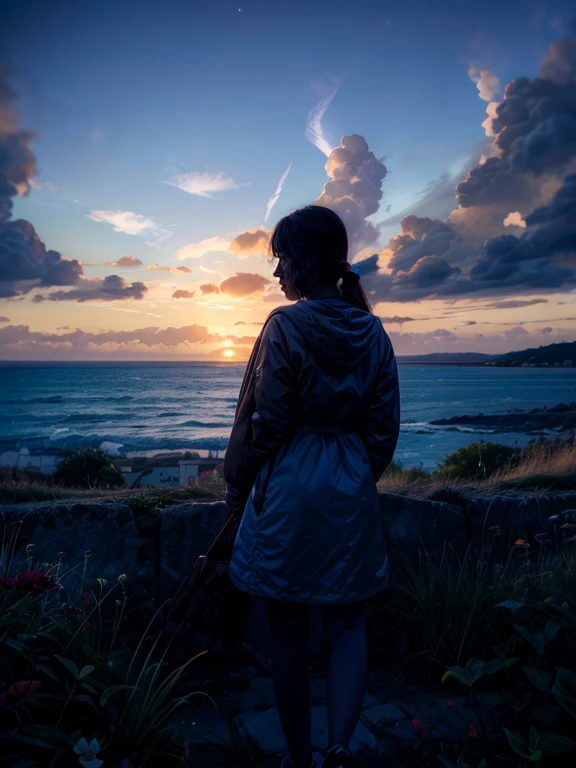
207 610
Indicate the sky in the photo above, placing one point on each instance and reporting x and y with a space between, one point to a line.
147 150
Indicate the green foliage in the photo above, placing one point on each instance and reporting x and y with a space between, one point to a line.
88 468
78 677
479 461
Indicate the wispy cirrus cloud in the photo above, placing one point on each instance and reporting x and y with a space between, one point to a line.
132 224
203 184
314 127
274 199
172 270
199 249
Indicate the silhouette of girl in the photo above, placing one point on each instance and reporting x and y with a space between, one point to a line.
316 425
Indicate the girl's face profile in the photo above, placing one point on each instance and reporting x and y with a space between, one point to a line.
282 272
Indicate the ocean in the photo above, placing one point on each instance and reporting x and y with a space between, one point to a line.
142 409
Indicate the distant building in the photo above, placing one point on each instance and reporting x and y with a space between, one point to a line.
187 473
45 463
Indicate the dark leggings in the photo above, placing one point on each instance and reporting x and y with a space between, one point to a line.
345 629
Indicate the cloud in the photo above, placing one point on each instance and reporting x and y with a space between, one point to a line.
172 270
274 199
534 133
355 188
130 223
515 303
314 128
152 338
520 185
486 81
546 331
514 219
251 243
25 262
125 261
207 288
4 319
180 294
123 221
201 248
242 340
396 320
111 288
515 333
203 184
243 284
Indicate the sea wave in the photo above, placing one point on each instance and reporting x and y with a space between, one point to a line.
207 424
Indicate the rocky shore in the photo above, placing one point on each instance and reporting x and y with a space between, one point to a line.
560 418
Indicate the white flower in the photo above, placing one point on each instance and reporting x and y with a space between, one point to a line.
88 753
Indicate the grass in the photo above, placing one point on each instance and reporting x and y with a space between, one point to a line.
24 490
544 467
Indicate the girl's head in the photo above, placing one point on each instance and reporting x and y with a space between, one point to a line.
311 246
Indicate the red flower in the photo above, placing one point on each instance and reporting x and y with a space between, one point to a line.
6 581
87 599
450 703
415 723
473 732
18 693
35 581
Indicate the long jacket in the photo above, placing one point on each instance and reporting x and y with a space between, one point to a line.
316 424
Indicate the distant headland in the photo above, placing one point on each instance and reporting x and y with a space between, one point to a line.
560 355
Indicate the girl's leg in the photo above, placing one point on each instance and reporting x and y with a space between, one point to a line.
289 632
345 626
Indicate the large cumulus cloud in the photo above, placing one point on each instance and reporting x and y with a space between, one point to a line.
25 262
515 228
355 187
534 129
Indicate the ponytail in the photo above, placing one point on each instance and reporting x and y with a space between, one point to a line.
352 290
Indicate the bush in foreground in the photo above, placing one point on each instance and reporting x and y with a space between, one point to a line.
88 468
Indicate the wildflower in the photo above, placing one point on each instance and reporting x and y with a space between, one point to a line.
446 675
548 599
6 581
35 581
473 732
415 723
87 599
122 578
450 703
88 753
18 693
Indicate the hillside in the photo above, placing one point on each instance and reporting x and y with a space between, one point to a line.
561 354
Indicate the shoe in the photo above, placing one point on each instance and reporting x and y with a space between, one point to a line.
316 761
339 757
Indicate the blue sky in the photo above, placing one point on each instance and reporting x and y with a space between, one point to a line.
125 96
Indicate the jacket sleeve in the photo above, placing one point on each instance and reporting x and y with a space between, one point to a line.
265 418
381 421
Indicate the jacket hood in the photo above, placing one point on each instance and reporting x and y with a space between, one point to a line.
338 334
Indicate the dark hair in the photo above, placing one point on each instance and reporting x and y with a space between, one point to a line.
314 242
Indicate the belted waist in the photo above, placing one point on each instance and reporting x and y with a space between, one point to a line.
314 429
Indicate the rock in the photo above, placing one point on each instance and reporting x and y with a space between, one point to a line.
414 522
106 531
187 531
205 726
265 730
388 713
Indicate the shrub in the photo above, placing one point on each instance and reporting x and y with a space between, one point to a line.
88 468
479 461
